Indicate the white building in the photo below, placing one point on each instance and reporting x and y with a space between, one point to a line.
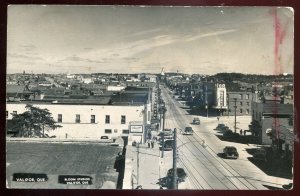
93 121
115 88
221 97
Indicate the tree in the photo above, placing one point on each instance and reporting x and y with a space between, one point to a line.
33 122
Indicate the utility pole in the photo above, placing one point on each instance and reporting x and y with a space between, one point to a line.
163 133
138 162
175 184
206 102
235 115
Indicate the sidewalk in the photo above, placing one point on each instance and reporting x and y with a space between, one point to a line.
148 166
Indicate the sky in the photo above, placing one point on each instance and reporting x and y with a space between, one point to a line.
135 39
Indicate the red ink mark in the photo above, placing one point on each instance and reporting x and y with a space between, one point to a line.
279 36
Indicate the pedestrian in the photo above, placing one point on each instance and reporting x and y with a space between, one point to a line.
148 143
245 132
241 132
152 144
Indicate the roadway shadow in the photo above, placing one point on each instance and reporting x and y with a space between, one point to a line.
242 139
274 166
272 187
284 187
233 139
200 112
221 155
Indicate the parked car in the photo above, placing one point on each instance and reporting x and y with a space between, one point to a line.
220 127
230 152
196 121
105 138
167 145
168 134
188 131
228 134
181 175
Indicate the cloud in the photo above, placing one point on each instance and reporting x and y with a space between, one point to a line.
125 51
215 33
14 56
27 47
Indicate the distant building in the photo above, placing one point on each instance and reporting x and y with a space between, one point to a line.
115 88
18 93
71 76
242 101
268 116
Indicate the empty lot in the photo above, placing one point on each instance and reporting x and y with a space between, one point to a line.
54 159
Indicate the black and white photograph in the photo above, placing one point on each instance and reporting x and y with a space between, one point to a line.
149 97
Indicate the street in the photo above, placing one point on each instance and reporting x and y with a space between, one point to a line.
198 155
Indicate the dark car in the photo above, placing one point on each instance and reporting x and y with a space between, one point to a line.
167 133
230 152
220 127
167 145
181 175
196 121
188 131
228 134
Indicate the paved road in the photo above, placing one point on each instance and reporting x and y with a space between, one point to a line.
198 155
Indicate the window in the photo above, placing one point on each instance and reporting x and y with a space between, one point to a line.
247 111
247 96
107 131
241 96
77 120
241 103
125 131
107 119
241 111
247 103
6 114
93 118
59 118
123 119
115 130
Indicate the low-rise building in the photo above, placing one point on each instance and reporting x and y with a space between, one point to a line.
92 117
267 116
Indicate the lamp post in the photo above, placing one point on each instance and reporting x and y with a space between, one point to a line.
235 114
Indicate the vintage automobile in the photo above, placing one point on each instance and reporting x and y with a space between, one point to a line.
167 145
196 121
220 127
181 175
230 152
188 131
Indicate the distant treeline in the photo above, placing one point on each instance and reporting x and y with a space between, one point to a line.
250 78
